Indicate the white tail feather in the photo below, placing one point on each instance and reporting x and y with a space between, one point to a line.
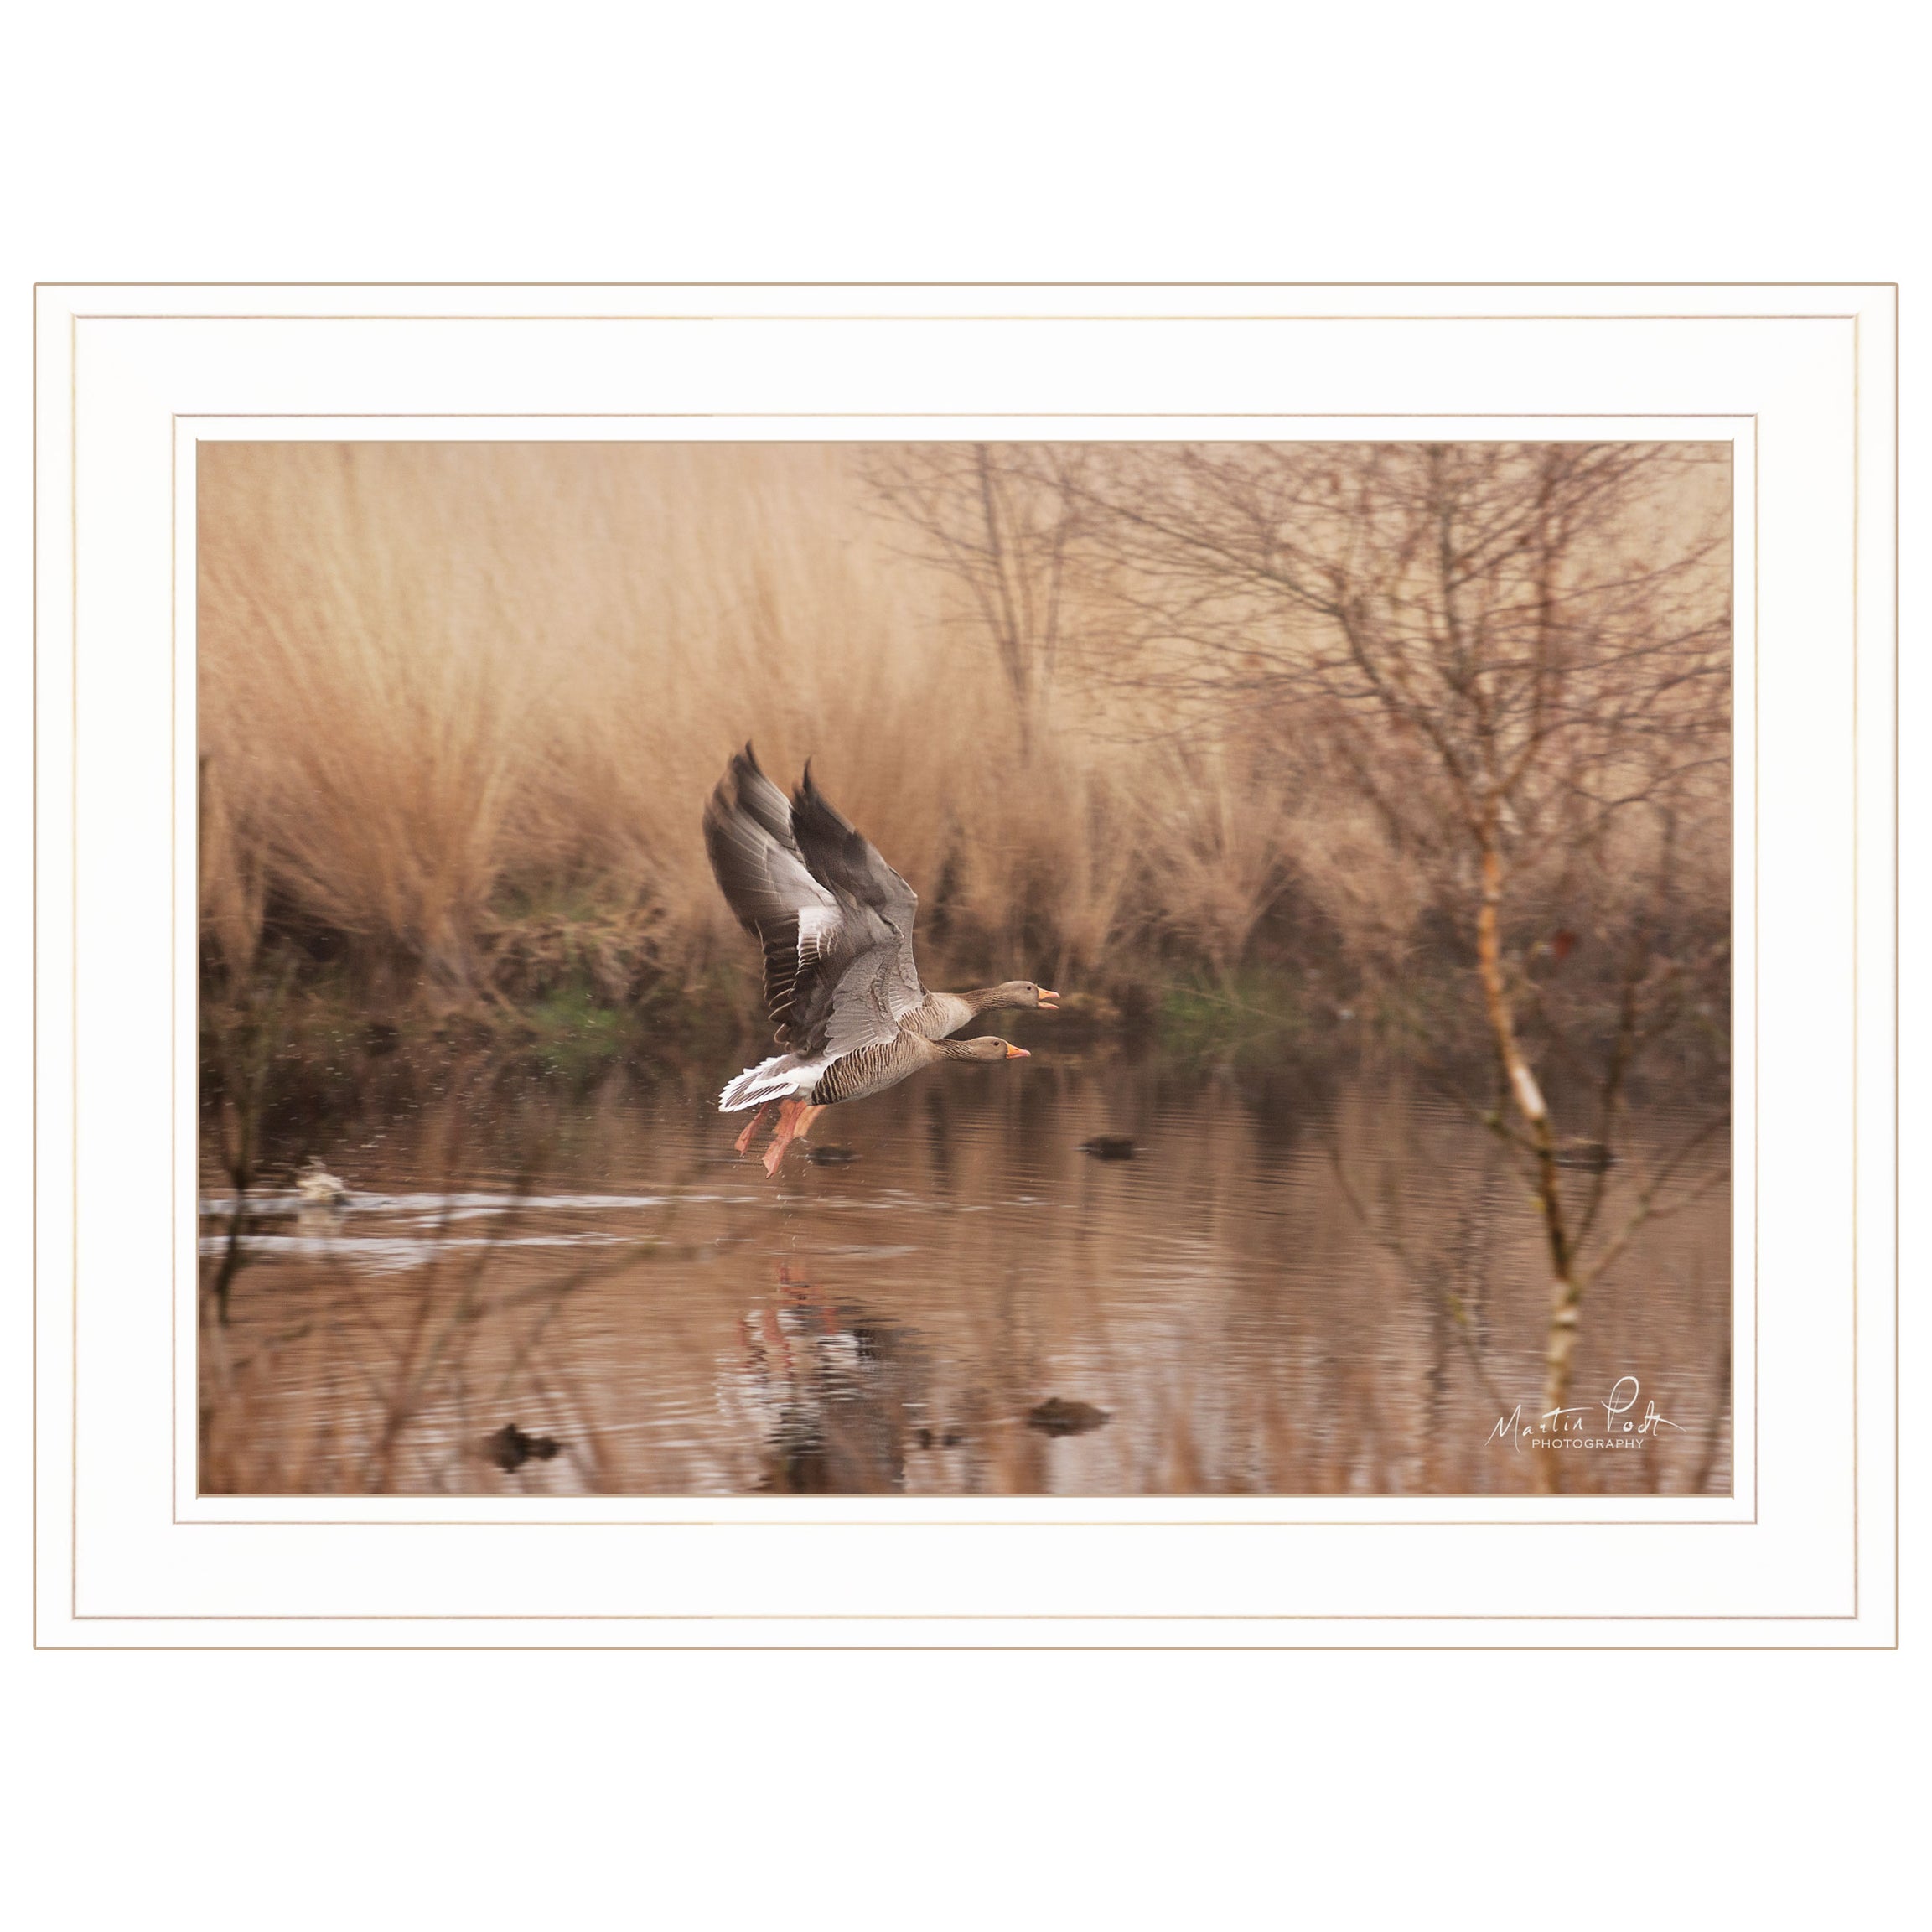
782 1077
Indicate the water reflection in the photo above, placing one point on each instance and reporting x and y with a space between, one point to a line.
833 1393
1275 1283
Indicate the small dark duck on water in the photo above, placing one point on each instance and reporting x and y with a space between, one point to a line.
510 1448
831 1157
1057 1417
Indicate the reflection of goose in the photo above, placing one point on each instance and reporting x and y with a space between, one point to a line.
832 1393
834 923
318 1187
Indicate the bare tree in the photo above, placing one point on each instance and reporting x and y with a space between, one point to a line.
1519 655
1003 520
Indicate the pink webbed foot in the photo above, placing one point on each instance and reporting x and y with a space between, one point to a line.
784 1134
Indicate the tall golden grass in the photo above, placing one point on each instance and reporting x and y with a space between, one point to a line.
445 687
432 676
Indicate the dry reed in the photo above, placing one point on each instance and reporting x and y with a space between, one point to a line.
450 690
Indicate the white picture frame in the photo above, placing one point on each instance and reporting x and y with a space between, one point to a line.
1801 380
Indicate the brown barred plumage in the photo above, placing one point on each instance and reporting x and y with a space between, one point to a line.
872 1069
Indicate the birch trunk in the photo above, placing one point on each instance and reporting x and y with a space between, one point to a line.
1566 1290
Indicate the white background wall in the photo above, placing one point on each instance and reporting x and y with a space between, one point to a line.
417 143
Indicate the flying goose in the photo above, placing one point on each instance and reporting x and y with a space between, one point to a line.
834 922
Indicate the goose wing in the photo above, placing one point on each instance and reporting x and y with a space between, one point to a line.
843 857
830 960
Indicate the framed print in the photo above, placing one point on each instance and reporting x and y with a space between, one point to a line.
890 965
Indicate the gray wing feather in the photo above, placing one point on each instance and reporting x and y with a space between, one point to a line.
828 958
762 875
861 1010
843 857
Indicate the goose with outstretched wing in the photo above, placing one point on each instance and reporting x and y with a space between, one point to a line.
834 923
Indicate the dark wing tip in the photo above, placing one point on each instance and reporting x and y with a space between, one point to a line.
743 765
811 801
745 793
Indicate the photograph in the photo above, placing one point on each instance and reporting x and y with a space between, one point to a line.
961 968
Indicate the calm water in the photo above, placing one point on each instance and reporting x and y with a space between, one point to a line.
542 1289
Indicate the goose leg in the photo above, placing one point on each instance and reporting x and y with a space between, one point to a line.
806 1117
751 1126
782 1134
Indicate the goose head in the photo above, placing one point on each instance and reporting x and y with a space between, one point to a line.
1024 993
988 1047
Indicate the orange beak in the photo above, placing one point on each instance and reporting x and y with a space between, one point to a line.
1018 1053
1050 999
